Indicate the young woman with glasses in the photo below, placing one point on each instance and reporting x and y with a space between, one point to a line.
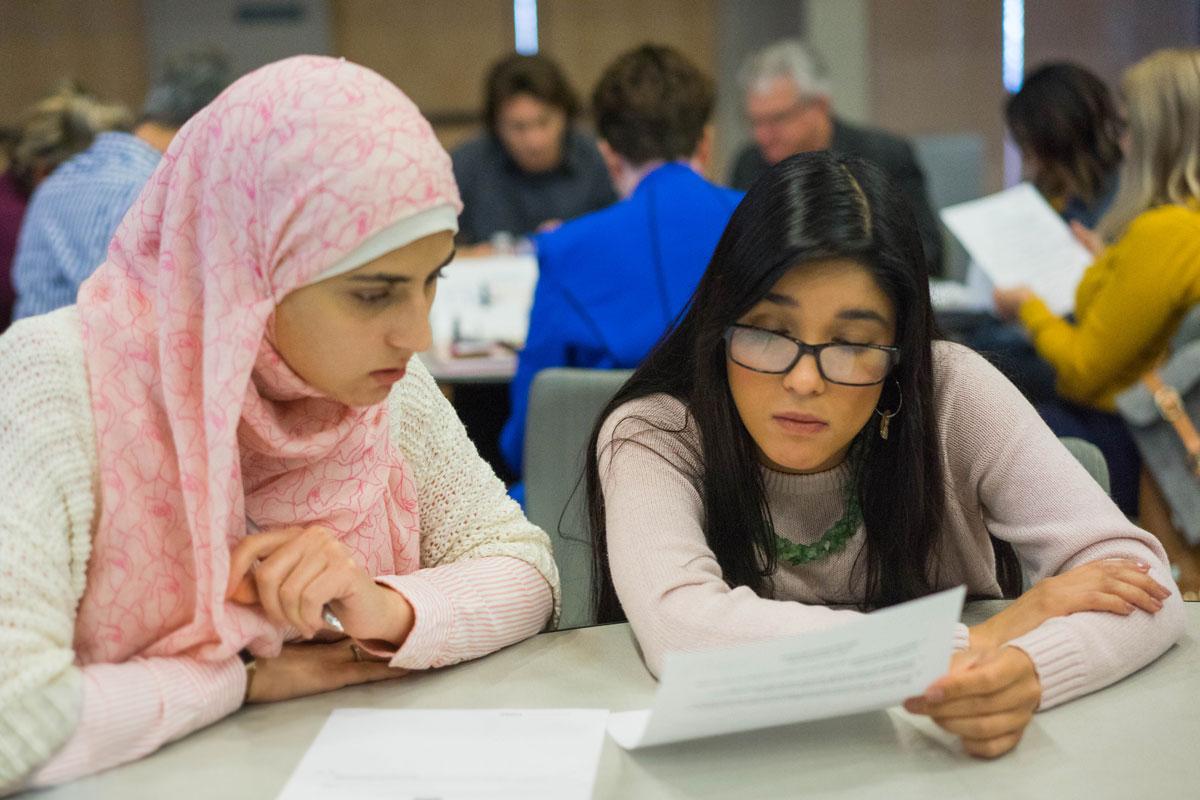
801 440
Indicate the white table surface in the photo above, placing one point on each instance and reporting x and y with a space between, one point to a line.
1137 739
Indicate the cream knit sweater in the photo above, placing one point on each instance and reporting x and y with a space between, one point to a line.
48 491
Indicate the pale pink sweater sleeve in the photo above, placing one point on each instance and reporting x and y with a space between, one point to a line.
130 710
1036 495
668 580
468 609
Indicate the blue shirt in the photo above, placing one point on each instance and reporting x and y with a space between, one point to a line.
611 283
72 217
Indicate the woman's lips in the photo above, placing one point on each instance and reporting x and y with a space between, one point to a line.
387 377
800 423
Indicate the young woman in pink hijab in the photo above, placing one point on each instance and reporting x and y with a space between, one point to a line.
243 362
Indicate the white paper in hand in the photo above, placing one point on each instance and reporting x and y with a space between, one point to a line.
1018 239
874 662
364 753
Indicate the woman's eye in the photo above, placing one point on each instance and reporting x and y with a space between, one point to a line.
372 298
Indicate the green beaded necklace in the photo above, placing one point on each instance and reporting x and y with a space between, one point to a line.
834 539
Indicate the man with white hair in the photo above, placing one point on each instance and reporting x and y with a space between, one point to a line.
790 110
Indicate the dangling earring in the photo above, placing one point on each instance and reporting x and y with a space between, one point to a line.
886 416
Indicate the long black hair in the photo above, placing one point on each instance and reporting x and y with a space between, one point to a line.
810 207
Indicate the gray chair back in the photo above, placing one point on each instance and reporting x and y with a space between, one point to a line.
1092 459
563 407
953 166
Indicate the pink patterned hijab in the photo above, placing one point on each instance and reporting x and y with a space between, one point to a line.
199 422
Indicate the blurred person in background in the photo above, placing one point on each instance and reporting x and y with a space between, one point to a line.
789 105
1066 125
611 283
532 168
73 215
47 134
1145 277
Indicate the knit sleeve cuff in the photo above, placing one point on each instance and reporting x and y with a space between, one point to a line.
432 615
1035 315
1058 658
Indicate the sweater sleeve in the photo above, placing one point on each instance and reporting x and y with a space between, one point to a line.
60 720
1148 279
668 580
488 577
1035 495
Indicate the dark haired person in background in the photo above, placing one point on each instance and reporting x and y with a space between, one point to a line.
1066 125
800 441
532 168
75 212
611 283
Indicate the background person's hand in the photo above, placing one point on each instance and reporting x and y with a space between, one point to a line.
1115 585
1008 301
303 669
292 573
987 699
1087 237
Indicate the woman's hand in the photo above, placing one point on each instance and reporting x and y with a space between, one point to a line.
1116 585
1008 301
1088 238
987 699
294 572
304 669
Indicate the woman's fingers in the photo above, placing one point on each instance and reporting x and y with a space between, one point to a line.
248 551
324 587
987 726
298 591
992 748
270 575
1013 696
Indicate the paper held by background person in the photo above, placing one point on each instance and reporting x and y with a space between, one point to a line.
1018 239
452 755
871 663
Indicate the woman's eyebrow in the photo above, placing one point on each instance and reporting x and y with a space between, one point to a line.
861 314
781 299
387 277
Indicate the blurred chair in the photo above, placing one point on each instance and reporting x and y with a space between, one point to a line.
563 407
1090 456
953 165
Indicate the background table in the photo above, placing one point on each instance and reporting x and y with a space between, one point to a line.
1139 738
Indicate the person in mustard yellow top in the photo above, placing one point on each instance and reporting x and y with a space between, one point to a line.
1131 300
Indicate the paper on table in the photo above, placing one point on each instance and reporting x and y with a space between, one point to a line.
399 754
1017 238
873 662
487 299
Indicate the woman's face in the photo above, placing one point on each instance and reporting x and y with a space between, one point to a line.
350 337
800 422
532 132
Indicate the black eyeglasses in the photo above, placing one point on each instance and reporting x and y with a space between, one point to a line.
847 364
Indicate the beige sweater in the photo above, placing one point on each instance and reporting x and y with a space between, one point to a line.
1006 474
